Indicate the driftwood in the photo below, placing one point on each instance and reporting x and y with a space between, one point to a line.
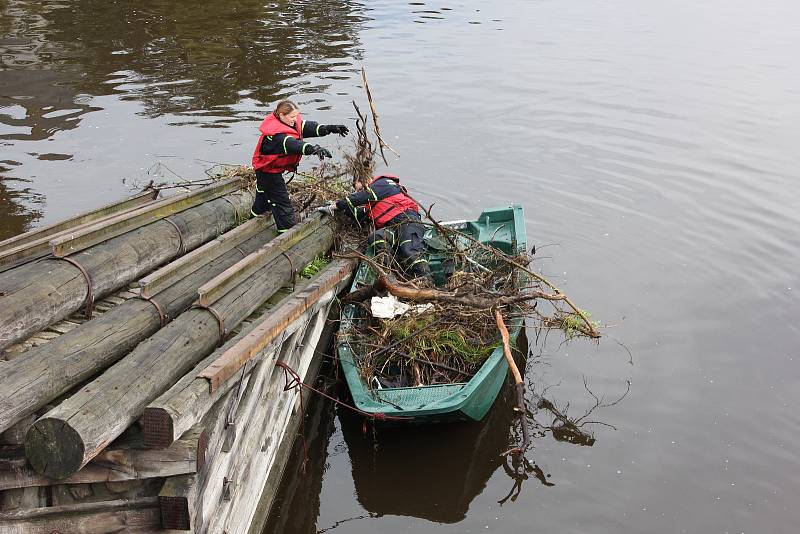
519 386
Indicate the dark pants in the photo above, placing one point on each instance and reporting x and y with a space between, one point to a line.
271 195
404 241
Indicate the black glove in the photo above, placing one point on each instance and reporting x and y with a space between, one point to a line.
340 129
321 152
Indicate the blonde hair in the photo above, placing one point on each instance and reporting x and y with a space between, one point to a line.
285 107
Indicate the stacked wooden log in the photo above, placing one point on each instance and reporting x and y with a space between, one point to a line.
149 412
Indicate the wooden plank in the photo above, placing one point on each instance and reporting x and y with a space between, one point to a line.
274 474
118 462
189 263
335 274
128 515
36 243
255 458
83 238
225 281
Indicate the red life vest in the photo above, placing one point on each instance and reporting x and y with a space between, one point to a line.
274 163
384 210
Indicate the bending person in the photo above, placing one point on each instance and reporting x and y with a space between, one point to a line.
279 149
396 218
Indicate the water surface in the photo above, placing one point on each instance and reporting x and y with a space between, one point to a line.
652 144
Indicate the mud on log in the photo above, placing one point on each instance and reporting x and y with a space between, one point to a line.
38 294
66 438
46 372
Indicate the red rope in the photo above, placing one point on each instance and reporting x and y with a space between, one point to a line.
297 383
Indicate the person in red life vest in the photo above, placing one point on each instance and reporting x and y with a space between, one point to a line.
279 149
396 218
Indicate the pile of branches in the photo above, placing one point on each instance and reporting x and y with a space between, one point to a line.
444 338
457 330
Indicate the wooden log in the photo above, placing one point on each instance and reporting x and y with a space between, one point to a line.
36 243
66 438
223 282
46 372
124 459
232 360
186 265
38 294
188 401
128 515
84 237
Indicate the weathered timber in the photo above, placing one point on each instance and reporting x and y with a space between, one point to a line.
212 484
232 360
275 472
15 434
188 400
256 452
48 371
84 237
123 515
222 283
182 505
186 265
65 439
40 293
36 243
176 502
127 460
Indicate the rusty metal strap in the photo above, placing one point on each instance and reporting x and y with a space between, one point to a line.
89 285
162 317
182 244
220 322
292 267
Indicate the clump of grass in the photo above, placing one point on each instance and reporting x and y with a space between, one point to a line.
313 268
573 324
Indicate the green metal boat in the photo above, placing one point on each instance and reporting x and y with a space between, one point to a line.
501 228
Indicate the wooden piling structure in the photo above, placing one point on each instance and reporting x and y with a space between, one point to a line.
216 423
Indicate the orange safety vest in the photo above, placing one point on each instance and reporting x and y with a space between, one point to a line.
274 163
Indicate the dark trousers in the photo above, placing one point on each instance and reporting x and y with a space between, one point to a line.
404 241
271 195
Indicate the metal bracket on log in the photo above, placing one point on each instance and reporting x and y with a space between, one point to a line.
248 347
186 265
236 274
105 229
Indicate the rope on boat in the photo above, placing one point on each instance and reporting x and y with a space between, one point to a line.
294 382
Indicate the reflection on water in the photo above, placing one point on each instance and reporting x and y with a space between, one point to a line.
184 59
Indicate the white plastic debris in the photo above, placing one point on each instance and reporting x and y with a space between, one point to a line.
387 307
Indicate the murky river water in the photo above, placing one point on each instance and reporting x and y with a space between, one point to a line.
653 145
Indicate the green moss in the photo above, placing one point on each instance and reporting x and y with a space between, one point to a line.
573 323
316 265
